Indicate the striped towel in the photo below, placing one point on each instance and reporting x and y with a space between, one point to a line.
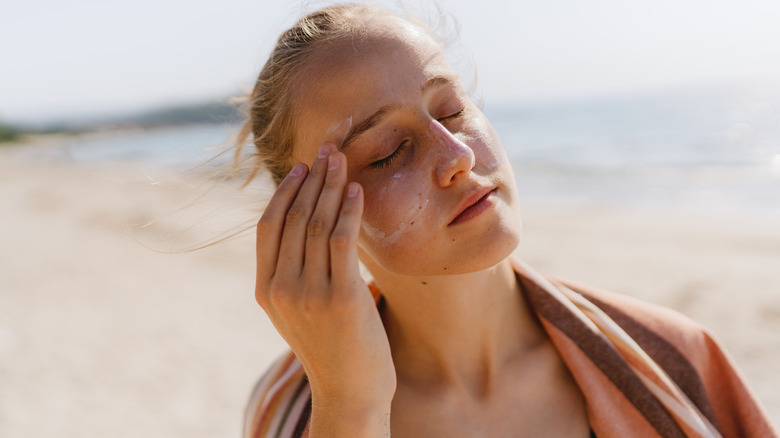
644 371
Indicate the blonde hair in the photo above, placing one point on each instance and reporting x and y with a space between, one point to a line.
269 108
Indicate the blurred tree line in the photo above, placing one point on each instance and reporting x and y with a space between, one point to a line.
9 133
212 112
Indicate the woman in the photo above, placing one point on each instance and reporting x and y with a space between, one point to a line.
381 158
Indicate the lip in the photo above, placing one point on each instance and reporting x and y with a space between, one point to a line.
473 205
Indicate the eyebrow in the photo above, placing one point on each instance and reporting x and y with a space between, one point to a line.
368 123
375 118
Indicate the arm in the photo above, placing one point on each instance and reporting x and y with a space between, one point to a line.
309 284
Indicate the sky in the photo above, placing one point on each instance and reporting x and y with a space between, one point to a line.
85 58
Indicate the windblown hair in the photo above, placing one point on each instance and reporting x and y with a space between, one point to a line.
271 114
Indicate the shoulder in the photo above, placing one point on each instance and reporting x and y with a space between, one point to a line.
666 322
669 337
280 402
691 356
652 326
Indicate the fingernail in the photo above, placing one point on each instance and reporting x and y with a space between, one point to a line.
324 151
297 170
352 190
333 163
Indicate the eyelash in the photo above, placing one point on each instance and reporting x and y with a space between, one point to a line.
384 162
453 116
387 161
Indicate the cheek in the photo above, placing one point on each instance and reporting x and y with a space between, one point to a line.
487 147
397 209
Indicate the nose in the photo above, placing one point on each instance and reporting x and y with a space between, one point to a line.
454 157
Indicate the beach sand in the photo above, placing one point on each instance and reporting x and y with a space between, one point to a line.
101 336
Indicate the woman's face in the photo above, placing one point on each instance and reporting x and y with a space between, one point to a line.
440 196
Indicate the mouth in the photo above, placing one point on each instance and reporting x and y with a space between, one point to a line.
474 204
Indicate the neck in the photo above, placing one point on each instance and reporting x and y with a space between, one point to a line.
457 331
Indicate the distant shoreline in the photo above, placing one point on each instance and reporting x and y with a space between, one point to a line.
216 111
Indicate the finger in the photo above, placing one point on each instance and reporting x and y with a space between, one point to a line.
344 238
317 259
292 246
271 223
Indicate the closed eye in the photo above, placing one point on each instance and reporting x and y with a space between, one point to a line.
388 160
452 116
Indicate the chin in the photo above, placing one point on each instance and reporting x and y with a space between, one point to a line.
490 249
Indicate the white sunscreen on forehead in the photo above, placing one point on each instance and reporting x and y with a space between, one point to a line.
338 131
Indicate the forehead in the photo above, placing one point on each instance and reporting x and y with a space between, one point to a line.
386 62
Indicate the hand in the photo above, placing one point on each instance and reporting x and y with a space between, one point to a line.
308 282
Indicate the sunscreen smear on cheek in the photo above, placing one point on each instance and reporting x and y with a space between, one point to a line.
404 214
383 239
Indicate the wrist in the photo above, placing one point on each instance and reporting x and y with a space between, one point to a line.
339 417
355 396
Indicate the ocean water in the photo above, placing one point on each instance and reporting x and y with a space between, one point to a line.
178 147
715 153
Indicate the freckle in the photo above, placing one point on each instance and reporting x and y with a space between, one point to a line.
445 268
453 240
424 283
